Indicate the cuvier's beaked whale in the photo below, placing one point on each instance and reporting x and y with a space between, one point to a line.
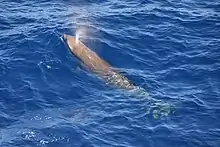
96 64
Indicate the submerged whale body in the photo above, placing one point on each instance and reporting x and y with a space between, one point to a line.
94 63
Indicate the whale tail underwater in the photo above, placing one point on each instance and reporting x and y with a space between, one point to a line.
110 75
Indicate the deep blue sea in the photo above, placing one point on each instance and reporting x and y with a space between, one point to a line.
171 48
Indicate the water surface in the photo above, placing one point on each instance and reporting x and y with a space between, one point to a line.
170 48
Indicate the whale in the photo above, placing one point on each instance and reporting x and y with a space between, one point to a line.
96 64
112 76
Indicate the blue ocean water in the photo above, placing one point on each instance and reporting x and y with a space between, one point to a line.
170 48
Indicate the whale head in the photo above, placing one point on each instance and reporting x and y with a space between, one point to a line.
72 42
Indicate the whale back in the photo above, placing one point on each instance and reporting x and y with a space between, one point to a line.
97 64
